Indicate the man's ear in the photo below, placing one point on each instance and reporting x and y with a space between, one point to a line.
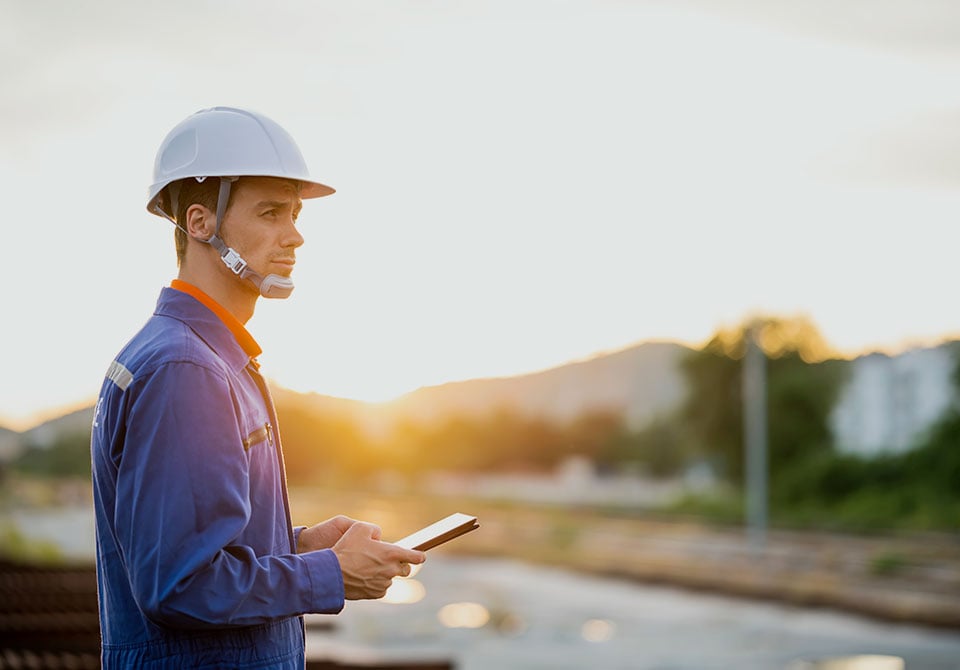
200 222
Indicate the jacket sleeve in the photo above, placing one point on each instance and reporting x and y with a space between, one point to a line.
183 492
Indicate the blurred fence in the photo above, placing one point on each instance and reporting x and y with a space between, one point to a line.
48 617
49 620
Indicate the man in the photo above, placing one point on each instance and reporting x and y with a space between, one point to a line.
198 564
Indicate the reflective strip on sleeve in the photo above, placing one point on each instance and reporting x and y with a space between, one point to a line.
119 375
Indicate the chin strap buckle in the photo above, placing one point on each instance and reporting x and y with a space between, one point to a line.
229 257
233 260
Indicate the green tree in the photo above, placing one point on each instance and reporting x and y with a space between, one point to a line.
660 449
802 386
67 456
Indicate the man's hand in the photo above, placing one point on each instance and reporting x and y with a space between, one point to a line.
323 535
369 565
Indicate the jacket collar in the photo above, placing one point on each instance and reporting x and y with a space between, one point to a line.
234 345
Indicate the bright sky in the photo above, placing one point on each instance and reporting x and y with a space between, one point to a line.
520 182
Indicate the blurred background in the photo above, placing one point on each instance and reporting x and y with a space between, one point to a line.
659 291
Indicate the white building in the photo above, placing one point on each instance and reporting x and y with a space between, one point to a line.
889 402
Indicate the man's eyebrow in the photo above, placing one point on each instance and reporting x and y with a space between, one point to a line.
295 202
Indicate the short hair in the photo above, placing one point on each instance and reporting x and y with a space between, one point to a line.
191 192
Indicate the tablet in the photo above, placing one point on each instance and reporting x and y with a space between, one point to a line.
437 533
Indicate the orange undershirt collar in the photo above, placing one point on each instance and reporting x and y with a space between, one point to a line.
244 338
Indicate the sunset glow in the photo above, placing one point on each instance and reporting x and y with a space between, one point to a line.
610 173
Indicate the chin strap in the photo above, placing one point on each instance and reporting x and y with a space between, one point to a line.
271 285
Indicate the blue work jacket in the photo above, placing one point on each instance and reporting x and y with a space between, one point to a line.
196 556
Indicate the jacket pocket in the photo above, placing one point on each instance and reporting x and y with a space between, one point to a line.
262 433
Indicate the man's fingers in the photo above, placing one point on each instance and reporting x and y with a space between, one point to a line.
412 556
342 523
374 531
367 530
369 565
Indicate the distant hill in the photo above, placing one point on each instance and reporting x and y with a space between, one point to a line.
74 422
641 382
9 443
13 443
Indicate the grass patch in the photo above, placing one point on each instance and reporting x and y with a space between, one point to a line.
887 563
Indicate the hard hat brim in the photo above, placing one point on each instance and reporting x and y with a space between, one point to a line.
308 190
314 189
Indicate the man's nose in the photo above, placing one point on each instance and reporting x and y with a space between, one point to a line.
292 238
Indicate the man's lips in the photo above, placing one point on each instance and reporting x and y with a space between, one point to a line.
284 265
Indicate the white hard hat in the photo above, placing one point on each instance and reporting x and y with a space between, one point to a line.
229 142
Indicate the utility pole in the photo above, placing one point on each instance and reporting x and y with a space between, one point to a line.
754 383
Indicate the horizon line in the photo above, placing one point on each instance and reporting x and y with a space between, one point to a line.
28 421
